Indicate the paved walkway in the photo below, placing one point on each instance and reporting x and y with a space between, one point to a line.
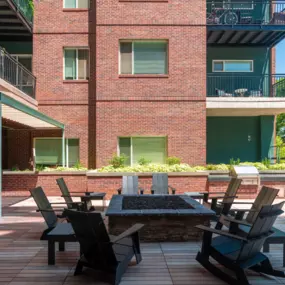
23 257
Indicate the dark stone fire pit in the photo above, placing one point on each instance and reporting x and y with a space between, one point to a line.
166 217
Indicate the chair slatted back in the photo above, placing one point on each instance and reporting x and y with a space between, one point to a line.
44 206
93 237
266 196
160 183
130 185
260 230
65 192
232 190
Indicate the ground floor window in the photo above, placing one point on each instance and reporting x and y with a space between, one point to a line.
149 148
48 151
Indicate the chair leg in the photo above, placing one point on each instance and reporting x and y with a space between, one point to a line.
283 254
78 268
61 246
266 268
266 247
136 247
51 252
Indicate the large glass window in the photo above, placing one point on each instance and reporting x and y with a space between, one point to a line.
83 4
18 76
48 151
150 148
76 64
143 57
233 66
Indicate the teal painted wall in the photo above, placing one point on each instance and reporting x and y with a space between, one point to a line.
228 137
17 47
229 81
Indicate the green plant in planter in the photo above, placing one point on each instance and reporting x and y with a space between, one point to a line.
172 160
144 161
31 5
118 160
234 162
40 167
15 168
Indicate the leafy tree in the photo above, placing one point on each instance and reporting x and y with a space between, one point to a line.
280 125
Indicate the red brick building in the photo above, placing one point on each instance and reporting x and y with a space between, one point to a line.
151 79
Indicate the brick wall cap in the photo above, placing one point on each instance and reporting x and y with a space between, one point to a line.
59 173
7 172
147 174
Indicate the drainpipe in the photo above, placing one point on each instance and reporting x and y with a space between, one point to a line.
63 148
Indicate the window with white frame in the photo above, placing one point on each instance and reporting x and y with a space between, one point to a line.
20 77
232 65
81 4
238 5
76 64
143 57
150 148
48 151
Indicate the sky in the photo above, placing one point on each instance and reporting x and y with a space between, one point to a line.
280 57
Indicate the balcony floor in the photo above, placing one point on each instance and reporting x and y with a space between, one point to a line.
23 257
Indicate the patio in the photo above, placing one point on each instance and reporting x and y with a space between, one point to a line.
23 257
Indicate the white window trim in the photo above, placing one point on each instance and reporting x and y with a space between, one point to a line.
76 50
133 55
231 60
76 5
16 57
131 146
55 138
226 3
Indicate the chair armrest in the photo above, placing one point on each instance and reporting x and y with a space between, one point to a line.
222 197
219 232
135 228
243 210
243 203
240 222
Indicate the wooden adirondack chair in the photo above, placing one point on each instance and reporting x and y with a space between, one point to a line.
86 197
227 197
160 184
266 196
130 186
239 253
109 254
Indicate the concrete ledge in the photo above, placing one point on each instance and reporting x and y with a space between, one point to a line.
142 174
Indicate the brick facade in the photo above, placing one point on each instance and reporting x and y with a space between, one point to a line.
108 105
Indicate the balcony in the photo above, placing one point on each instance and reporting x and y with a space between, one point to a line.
15 74
16 20
247 23
245 95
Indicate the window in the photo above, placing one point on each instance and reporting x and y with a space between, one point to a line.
76 64
143 57
82 4
48 151
150 148
232 65
238 5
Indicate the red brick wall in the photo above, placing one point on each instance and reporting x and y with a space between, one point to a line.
20 184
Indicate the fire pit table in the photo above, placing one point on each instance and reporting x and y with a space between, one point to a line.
166 217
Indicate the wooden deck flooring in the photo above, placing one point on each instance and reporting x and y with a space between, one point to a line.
23 257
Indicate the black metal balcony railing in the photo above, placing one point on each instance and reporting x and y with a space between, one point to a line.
233 85
16 74
245 13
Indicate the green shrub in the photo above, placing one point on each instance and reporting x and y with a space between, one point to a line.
172 160
118 160
144 161
15 168
266 161
234 162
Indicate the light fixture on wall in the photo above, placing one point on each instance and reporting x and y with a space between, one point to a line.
249 138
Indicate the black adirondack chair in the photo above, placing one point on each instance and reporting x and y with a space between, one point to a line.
100 251
86 197
160 184
53 222
130 186
239 253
